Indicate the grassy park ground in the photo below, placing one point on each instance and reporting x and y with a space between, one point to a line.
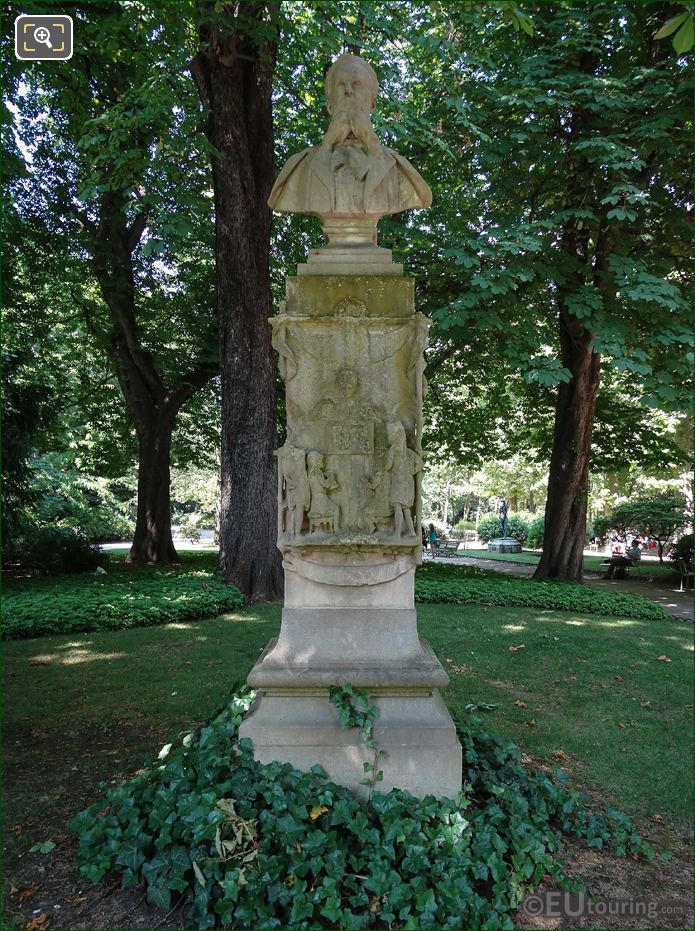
607 698
649 566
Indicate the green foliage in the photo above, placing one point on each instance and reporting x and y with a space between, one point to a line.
658 516
251 845
460 529
490 527
53 550
518 528
683 550
517 593
123 597
68 497
535 532
681 28
354 709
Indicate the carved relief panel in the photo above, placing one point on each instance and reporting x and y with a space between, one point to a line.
349 472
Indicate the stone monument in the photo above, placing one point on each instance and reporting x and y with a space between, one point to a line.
350 348
505 543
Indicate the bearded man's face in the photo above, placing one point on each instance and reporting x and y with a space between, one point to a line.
351 88
351 103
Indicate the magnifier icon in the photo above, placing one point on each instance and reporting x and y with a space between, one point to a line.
43 35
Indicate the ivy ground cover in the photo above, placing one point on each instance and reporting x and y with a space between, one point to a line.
123 596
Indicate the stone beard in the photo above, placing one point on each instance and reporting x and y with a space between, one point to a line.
350 174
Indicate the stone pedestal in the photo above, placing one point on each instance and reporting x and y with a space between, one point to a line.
504 545
351 354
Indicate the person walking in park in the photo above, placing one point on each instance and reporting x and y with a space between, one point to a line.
432 539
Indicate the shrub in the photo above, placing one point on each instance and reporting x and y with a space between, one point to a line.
70 498
266 846
602 524
460 529
535 533
114 601
683 549
519 593
518 527
55 550
490 527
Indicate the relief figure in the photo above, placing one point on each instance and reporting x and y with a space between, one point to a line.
294 489
402 464
324 512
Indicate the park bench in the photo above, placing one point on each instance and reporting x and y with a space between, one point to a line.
446 547
686 572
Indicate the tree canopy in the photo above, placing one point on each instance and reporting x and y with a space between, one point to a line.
555 262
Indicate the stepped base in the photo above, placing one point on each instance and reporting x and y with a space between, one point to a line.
413 728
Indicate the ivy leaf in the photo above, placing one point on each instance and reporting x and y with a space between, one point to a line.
44 847
199 875
159 896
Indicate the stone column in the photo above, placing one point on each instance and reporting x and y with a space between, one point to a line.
351 354
350 346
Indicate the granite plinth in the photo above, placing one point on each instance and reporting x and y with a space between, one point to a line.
504 545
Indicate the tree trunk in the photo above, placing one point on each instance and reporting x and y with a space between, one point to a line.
152 405
233 73
568 480
152 542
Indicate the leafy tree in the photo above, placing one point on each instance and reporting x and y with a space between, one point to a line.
587 120
660 517
118 181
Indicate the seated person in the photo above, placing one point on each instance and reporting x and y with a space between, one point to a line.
619 563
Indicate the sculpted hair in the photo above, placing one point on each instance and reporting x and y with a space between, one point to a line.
370 75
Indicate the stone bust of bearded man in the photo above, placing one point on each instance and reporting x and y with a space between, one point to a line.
349 174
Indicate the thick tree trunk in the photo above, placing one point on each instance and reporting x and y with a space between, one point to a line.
153 542
152 405
568 480
234 78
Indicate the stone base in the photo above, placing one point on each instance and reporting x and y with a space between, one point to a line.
347 260
414 729
504 545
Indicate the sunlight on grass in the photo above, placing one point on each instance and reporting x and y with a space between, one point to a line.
178 626
514 627
76 655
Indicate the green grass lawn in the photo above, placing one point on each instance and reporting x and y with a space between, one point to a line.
662 571
89 708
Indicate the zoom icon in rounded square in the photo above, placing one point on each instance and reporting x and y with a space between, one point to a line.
43 38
